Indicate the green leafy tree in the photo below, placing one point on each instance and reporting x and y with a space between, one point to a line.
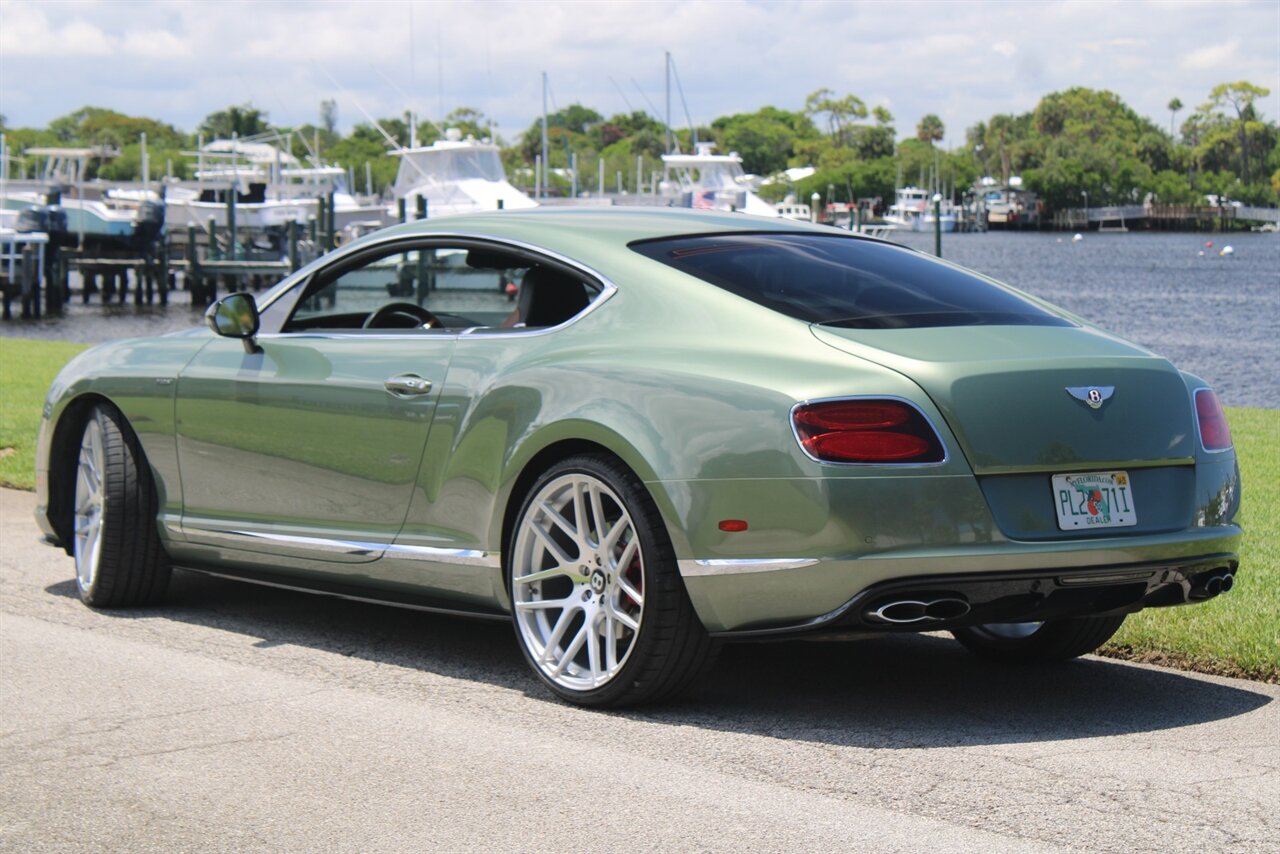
841 113
1239 97
764 139
241 121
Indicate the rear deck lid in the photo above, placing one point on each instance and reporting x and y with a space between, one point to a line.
1017 398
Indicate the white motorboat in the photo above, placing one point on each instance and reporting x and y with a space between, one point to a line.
1009 205
712 181
272 187
93 216
454 176
913 210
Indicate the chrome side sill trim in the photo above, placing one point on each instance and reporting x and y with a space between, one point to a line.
461 557
739 566
353 548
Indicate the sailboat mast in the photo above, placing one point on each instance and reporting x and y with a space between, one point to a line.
543 183
667 54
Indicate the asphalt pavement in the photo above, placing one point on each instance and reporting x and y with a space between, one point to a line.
245 718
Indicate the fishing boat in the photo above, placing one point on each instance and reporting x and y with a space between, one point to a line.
272 188
455 175
711 181
94 215
1008 205
913 210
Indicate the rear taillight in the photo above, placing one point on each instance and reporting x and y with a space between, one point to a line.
866 431
1215 435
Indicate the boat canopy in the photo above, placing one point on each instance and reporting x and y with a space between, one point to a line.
447 163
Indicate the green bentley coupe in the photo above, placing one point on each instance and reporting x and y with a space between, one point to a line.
638 433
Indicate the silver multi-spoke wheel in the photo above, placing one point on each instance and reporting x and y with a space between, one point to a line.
89 503
578 581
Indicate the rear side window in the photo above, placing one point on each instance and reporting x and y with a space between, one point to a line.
846 282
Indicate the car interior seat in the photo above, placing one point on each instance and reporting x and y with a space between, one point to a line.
549 297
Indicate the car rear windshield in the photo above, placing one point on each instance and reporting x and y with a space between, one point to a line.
846 282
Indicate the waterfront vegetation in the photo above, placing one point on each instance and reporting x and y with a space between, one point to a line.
1236 635
1077 145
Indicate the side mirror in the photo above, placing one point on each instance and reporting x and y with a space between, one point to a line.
235 316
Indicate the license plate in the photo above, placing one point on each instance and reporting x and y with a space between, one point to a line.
1100 499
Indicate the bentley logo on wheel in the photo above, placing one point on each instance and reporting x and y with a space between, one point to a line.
1093 395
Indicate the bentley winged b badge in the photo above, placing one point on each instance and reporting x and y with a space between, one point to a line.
1093 395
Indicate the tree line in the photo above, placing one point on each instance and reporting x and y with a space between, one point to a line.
1075 145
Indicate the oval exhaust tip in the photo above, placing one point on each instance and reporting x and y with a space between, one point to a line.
946 609
902 611
1228 581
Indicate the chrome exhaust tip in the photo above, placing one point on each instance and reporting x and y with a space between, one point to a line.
1228 581
904 611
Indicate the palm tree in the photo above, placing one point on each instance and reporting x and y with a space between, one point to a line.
1174 106
930 129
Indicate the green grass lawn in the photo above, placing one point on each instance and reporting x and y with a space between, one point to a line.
1237 634
26 370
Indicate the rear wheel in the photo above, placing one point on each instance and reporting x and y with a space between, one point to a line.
120 560
1052 640
599 608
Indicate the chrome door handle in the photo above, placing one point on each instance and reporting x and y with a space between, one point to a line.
408 385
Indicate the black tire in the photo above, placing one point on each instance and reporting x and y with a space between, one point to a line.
670 648
130 567
1053 640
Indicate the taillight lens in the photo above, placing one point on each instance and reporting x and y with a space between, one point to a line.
866 431
1215 435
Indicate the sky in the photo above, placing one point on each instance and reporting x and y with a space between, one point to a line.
964 60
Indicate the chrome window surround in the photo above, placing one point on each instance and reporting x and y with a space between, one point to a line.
607 287
791 419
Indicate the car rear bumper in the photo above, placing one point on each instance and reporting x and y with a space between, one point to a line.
929 603
796 593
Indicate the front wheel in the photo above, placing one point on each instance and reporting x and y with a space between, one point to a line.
600 611
120 560
1052 640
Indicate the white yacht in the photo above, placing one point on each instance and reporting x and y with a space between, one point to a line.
913 210
712 181
455 176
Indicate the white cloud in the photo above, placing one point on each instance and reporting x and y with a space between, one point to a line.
179 61
1212 57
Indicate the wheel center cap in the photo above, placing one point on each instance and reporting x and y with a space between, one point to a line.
597 581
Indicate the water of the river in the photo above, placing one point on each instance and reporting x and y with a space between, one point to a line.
1215 316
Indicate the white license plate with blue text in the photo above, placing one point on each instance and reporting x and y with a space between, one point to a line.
1100 499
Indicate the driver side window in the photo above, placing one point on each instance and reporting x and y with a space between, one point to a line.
435 285
410 288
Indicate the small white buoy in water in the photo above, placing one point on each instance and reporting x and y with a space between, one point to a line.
1227 250
1059 239
1201 253
1077 238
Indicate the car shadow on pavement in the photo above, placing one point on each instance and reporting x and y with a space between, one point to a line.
905 691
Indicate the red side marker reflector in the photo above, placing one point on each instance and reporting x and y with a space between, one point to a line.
733 526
